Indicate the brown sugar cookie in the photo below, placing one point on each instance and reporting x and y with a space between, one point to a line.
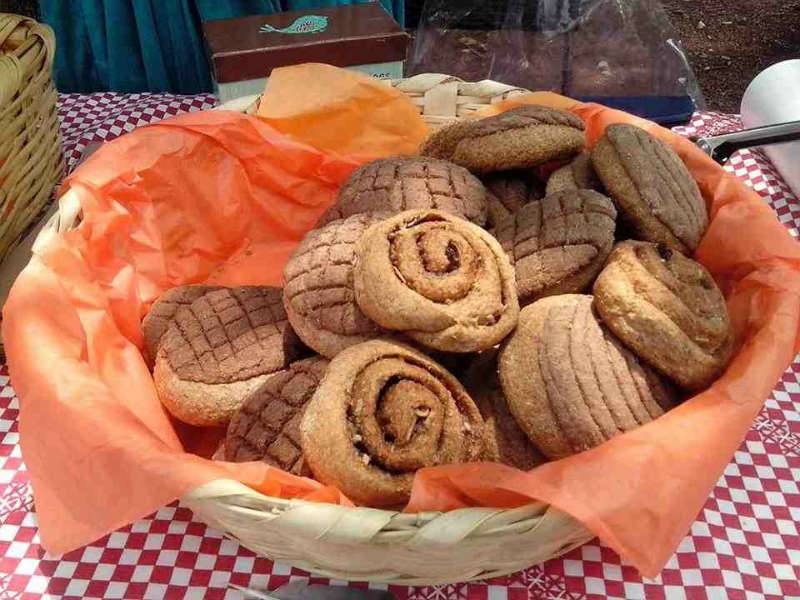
318 293
163 311
558 245
520 138
668 310
219 349
508 192
441 280
267 425
569 383
505 441
652 188
382 412
577 175
403 183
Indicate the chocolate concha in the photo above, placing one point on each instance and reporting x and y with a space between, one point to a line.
163 311
219 349
411 182
510 191
267 425
319 296
559 244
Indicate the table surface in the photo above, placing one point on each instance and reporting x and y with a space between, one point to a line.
744 544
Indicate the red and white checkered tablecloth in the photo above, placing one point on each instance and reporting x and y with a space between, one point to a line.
745 543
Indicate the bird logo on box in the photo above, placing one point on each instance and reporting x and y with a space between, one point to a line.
307 24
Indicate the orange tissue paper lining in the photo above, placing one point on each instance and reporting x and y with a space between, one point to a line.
224 197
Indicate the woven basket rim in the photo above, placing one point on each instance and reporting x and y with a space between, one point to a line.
235 487
31 161
539 530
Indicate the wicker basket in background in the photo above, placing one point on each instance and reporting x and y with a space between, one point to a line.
365 543
440 99
30 150
31 162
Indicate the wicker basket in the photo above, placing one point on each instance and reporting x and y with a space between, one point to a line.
440 99
370 544
30 150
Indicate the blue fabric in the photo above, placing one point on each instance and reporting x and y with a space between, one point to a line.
148 45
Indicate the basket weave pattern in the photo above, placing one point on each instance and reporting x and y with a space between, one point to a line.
360 544
30 151
444 98
439 98
370 544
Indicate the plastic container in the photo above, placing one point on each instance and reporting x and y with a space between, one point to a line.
774 97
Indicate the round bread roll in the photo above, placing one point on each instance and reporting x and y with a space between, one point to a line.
443 281
558 245
577 175
267 425
569 383
163 311
319 296
520 138
667 309
221 348
382 412
404 183
505 441
652 188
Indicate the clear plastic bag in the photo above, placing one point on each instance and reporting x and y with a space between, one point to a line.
622 53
